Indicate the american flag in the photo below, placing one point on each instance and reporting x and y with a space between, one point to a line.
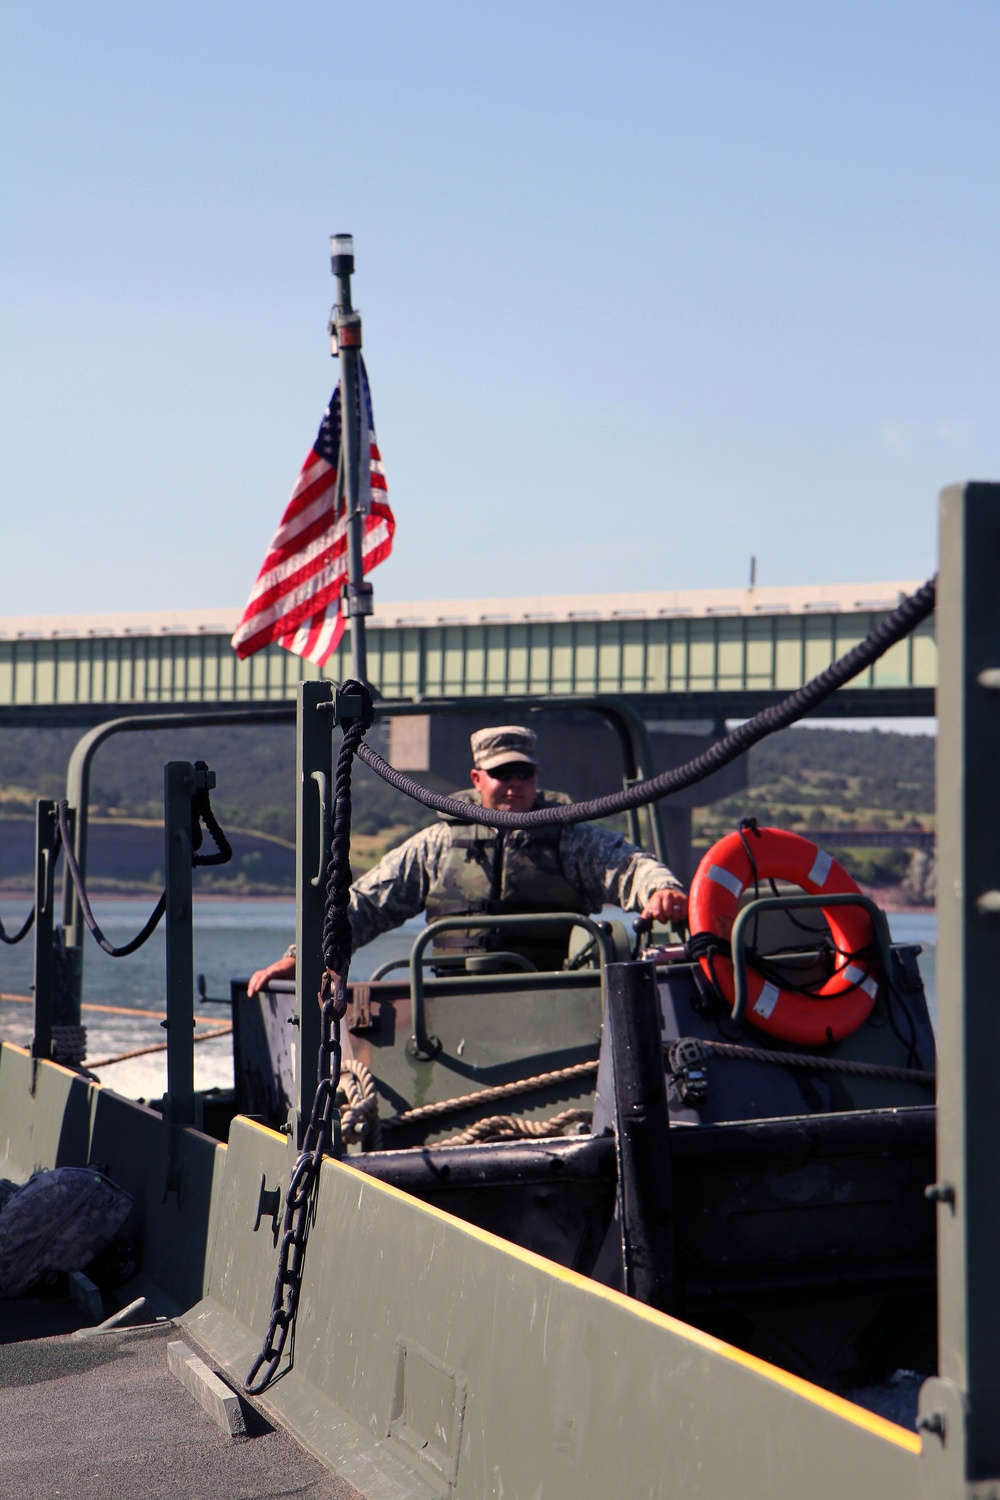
296 599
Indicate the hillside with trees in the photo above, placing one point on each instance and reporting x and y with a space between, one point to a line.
806 779
809 780
254 801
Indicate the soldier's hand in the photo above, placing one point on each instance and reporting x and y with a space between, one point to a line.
665 906
283 968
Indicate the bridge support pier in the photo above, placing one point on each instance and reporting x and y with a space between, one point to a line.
677 831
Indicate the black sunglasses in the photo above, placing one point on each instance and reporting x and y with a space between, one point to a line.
517 770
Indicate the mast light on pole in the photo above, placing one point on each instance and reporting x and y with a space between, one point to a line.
345 329
342 254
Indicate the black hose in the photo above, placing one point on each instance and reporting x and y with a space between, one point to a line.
25 928
893 628
201 812
29 920
81 896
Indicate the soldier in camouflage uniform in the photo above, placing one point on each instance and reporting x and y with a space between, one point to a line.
455 868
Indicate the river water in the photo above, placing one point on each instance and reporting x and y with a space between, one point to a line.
231 940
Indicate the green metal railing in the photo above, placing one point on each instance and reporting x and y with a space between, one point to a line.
422 1045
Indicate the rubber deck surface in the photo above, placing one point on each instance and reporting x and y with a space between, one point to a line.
102 1418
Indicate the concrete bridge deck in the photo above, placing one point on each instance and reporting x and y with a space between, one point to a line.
694 653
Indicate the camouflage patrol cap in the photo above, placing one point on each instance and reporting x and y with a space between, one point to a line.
499 746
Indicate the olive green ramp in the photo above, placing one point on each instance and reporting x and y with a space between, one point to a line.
433 1358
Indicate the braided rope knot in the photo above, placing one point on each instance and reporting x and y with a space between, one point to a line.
517 1128
359 1120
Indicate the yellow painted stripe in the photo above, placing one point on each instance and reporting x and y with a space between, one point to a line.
837 1405
891 1432
94 1083
46 1062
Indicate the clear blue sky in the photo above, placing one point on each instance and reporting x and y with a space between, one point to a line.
647 288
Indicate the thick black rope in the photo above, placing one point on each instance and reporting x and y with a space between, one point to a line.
819 1064
338 942
201 812
895 627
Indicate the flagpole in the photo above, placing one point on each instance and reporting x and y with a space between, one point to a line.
345 326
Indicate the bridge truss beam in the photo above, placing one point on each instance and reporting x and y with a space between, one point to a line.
702 667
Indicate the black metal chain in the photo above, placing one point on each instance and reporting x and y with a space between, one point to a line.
201 812
895 627
337 950
298 1202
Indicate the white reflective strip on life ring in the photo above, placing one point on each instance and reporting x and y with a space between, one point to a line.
861 980
767 999
822 865
731 882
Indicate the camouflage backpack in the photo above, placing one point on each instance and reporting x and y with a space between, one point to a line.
58 1221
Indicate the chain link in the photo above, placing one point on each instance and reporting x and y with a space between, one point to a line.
324 1117
299 1198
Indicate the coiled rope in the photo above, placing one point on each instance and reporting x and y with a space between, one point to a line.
894 628
359 1119
573 1074
578 1071
517 1128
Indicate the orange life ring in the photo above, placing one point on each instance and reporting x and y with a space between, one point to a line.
845 1001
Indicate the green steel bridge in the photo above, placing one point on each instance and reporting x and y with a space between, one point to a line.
692 654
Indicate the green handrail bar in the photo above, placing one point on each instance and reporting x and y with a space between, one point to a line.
880 927
421 1045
